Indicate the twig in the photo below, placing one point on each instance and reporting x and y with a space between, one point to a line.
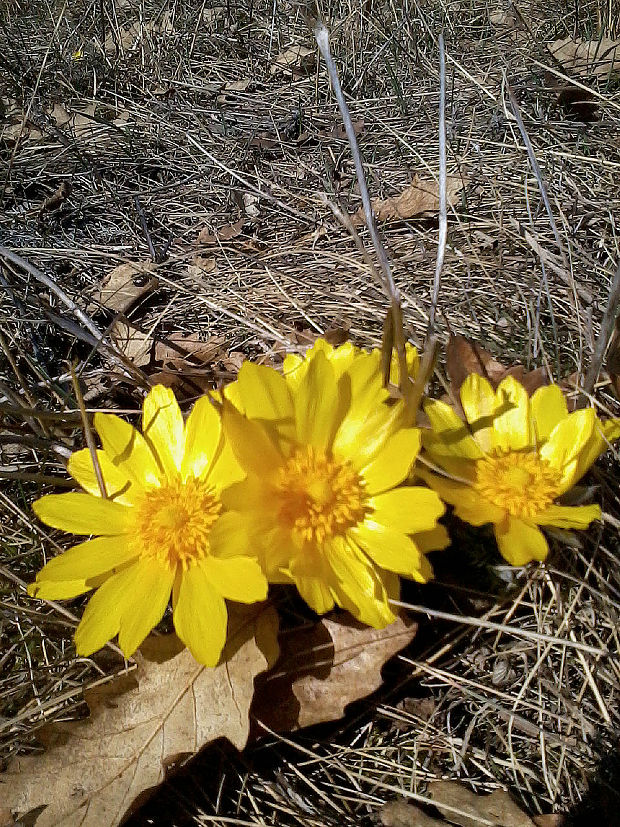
607 326
145 229
443 183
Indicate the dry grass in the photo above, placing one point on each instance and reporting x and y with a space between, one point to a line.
168 151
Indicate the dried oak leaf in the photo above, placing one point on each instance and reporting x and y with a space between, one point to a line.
586 58
324 668
461 806
224 234
179 350
125 284
140 725
465 356
296 59
401 813
417 198
134 344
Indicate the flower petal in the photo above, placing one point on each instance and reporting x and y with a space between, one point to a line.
392 550
393 462
565 443
102 616
467 502
153 584
117 485
128 450
83 514
203 431
548 410
253 446
434 540
520 542
236 578
88 560
566 516
358 586
200 616
316 404
478 401
450 436
512 427
316 593
408 509
264 393
603 433
163 429
58 589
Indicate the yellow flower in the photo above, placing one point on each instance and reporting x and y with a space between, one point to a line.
161 529
324 455
515 457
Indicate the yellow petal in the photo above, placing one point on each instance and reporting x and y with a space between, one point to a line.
434 540
200 616
225 469
316 593
478 401
361 441
450 436
292 369
564 516
153 584
88 560
163 429
264 393
128 450
237 578
83 514
390 549
202 438
117 485
58 589
253 447
409 509
358 586
392 463
468 504
603 433
230 536
548 410
102 616
520 542
512 427
316 404
568 439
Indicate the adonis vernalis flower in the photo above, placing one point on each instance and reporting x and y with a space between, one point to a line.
160 530
325 456
513 459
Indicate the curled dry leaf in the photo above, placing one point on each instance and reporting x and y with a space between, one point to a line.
125 284
401 813
296 59
140 725
586 58
461 806
417 198
132 343
224 234
324 668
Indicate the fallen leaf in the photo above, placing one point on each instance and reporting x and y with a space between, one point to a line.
324 668
497 809
57 199
60 115
340 132
237 85
132 343
417 198
140 725
550 820
465 356
587 58
296 59
125 284
224 234
188 349
201 266
402 813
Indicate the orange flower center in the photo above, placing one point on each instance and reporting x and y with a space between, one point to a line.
173 522
319 497
522 483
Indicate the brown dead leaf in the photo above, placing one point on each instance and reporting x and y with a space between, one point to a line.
140 724
58 197
125 284
497 808
201 266
402 813
132 343
189 349
465 356
324 668
550 820
296 59
224 234
587 58
417 198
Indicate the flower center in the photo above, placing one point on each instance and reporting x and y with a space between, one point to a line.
173 522
319 497
524 484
